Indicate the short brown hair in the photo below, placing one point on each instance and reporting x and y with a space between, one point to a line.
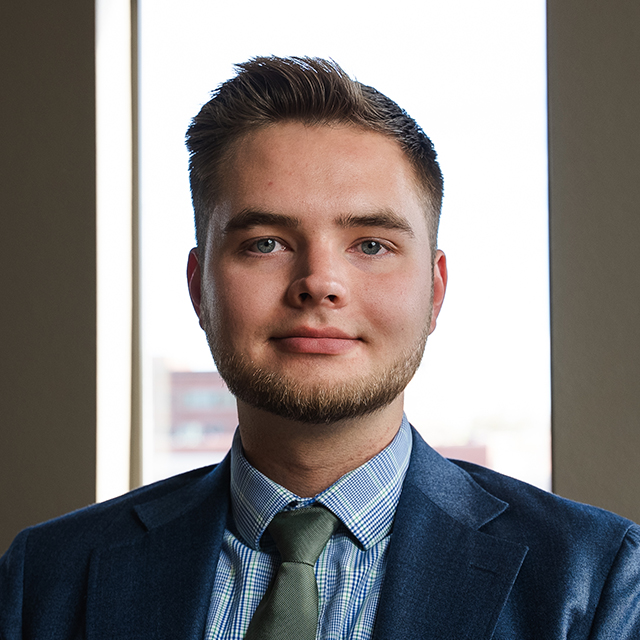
268 90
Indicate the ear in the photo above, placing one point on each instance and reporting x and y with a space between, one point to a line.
439 286
194 280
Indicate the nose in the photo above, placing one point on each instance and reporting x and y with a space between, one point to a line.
319 279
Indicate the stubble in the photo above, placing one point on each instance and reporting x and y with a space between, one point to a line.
304 399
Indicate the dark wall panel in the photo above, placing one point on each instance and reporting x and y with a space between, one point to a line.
47 261
594 145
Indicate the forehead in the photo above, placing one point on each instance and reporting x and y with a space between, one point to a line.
292 164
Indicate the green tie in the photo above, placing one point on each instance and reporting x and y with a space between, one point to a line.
289 608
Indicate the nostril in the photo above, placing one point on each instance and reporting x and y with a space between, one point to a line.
307 291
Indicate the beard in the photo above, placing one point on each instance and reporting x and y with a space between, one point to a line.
306 401
301 398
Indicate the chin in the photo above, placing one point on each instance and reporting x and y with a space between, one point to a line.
307 400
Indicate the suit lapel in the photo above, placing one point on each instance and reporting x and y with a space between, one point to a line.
444 578
159 584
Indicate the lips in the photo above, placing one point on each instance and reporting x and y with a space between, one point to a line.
326 341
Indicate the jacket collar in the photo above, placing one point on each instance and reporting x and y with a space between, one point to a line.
450 488
444 577
156 582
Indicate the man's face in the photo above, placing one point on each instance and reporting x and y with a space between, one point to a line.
315 287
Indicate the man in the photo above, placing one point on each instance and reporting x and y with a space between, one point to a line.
317 281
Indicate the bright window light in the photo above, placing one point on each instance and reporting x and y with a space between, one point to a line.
473 74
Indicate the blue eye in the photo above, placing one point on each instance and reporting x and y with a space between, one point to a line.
266 245
371 247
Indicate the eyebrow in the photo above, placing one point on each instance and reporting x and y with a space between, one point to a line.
385 219
248 218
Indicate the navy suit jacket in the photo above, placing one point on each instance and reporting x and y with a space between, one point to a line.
473 555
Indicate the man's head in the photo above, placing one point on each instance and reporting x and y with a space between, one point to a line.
315 279
312 91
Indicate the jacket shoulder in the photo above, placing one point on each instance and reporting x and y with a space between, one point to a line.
96 520
582 567
533 504
68 540
44 576
561 534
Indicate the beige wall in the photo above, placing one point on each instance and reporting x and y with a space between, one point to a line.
594 125
47 256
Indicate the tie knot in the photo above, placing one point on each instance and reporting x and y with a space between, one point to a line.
302 534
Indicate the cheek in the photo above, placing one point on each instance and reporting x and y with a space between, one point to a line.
397 304
240 300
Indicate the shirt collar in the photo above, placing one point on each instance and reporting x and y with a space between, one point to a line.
364 499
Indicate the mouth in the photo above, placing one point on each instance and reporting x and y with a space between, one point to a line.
326 341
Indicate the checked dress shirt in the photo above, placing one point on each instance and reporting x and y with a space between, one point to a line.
351 567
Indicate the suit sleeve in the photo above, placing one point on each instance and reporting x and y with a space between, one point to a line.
11 589
618 612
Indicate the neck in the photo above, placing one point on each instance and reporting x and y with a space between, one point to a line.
308 458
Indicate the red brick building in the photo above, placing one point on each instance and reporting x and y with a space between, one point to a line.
203 412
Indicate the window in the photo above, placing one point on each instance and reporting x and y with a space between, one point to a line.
473 75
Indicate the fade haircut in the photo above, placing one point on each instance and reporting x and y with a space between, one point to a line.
313 91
